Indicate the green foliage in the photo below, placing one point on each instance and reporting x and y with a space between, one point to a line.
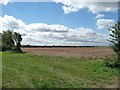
112 61
115 38
11 41
115 44
5 47
7 41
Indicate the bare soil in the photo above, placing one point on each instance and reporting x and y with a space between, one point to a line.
94 52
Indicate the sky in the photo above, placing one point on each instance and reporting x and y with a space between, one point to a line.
59 22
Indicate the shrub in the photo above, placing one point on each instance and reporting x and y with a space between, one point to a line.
6 47
112 61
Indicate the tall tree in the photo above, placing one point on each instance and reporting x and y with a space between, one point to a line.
115 39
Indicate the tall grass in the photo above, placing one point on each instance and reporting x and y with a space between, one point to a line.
32 71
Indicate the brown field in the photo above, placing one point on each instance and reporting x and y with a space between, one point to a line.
94 52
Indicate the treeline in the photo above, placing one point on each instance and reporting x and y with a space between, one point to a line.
57 46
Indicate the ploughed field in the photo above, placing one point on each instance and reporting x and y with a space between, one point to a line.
87 52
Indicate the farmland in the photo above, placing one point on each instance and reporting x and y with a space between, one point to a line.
38 68
88 52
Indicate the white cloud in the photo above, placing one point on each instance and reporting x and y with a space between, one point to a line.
105 23
44 34
99 15
47 28
4 2
95 7
85 35
11 22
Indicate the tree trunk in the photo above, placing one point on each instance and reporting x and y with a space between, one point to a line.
18 47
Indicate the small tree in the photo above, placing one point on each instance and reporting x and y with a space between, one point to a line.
115 41
11 41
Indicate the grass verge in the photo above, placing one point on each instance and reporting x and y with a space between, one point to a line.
32 71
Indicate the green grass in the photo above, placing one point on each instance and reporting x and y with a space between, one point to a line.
32 71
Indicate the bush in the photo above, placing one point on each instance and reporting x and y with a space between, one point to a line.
6 47
112 61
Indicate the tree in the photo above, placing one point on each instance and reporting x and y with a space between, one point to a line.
11 41
115 40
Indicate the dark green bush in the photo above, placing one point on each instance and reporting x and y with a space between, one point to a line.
6 47
112 61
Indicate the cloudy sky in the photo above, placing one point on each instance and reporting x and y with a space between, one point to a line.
59 22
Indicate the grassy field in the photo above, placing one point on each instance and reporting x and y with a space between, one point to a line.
33 71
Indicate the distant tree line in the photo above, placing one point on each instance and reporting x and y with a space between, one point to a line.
11 41
58 46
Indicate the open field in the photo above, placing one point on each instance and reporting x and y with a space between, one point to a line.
38 71
99 52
